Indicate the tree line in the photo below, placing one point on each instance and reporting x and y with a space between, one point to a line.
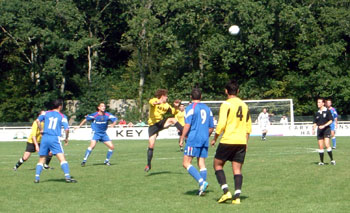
94 51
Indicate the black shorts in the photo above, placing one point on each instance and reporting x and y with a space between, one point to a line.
323 133
231 152
31 147
157 127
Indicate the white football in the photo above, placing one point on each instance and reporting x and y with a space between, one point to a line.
233 30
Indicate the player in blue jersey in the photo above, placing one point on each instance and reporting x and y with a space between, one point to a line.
53 121
99 127
199 124
334 124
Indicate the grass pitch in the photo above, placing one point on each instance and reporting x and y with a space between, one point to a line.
280 175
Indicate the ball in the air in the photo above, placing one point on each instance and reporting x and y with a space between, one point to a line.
233 30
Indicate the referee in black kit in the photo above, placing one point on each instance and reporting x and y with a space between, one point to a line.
323 118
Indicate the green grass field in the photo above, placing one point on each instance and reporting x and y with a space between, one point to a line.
280 175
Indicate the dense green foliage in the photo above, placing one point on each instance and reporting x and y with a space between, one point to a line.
280 175
99 50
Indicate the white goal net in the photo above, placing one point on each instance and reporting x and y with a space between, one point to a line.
277 108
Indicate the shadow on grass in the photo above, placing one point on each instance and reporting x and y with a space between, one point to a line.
158 173
316 163
230 201
100 164
195 192
163 172
56 180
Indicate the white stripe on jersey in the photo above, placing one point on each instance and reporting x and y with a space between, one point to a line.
190 112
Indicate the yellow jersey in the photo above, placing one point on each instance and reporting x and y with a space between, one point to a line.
157 111
180 117
234 121
35 132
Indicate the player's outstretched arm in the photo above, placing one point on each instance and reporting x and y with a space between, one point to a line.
113 124
81 124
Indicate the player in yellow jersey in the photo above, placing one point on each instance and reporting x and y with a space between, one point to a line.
33 145
180 117
157 122
235 124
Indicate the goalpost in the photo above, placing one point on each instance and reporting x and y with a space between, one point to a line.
277 108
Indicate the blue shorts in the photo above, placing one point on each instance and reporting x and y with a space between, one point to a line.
332 126
199 152
103 137
50 143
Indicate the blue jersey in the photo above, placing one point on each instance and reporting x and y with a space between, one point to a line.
53 121
200 117
334 113
100 122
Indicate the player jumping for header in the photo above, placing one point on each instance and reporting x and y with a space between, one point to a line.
156 122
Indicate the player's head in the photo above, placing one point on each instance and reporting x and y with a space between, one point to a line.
42 112
57 104
328 103
196 94
162 95
101 107
264 110
320 102
182 107
232 87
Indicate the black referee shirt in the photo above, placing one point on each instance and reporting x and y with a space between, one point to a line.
323 116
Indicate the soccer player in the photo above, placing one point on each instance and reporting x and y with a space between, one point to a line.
156 121
99 127
323 119
33 145
235 124
334 124
264 122
53 121
198 127
180 117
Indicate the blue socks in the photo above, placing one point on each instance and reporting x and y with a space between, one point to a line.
65 169
203 173
39 168
87 154
109 155
334 142
64 166
195 174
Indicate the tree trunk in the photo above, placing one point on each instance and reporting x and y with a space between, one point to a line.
89 64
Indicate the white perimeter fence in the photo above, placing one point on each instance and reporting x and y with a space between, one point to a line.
133 133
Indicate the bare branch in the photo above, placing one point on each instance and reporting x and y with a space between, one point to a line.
16 42
105 7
